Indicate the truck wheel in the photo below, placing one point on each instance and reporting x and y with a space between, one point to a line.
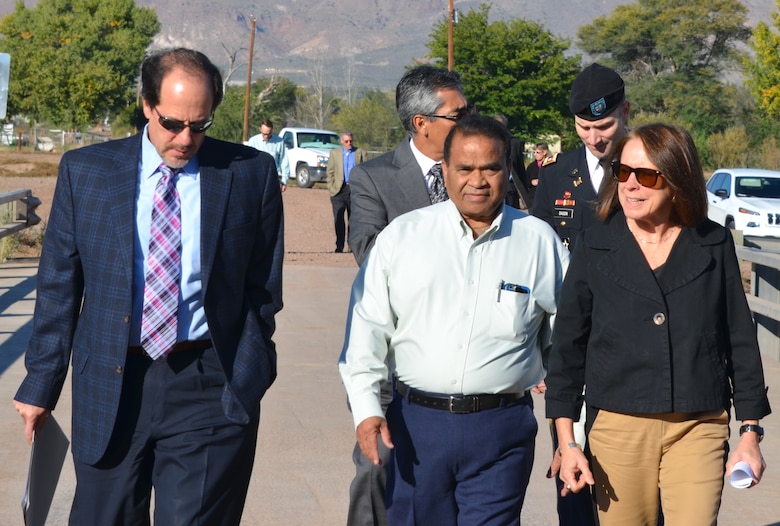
303 177
730 223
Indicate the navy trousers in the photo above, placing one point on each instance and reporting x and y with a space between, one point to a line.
464 469
171 434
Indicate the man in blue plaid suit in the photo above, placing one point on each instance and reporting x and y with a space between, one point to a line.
185 423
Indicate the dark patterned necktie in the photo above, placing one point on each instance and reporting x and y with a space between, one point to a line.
159 323
436 189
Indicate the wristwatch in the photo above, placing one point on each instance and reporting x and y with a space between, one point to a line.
755 428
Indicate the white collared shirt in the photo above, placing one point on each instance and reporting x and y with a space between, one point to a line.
595 169
427 298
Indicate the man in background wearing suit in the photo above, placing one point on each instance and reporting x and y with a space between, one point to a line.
340 164
159 279
429 102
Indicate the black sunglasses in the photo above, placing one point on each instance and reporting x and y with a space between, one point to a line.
175 126
645 176
461 113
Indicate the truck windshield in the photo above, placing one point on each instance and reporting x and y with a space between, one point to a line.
318 140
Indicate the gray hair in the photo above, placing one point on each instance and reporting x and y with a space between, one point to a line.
417 92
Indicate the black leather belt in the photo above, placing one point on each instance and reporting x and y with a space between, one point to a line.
459 404
190 345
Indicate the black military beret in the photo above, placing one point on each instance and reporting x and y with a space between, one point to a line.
596 92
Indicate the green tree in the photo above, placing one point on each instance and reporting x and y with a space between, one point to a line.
73 61
513 67
272 98
373 121
763 71
671 54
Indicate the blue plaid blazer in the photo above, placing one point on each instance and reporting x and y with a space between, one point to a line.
84 287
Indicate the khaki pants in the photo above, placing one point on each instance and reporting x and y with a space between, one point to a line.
679 456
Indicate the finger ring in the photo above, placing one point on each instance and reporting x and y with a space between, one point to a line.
568 486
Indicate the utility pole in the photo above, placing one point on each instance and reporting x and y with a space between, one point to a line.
249 80
450 52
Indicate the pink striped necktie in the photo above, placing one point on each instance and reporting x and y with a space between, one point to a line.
159 323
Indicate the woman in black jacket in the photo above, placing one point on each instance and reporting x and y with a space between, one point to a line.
654 320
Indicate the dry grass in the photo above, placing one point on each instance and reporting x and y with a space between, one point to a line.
22 166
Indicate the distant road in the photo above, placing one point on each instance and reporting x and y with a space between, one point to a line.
769 244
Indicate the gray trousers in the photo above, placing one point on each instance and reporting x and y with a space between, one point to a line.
367 491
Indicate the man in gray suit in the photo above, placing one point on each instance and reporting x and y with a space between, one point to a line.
159 279
429 102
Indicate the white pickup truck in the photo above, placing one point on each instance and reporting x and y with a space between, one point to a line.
308 150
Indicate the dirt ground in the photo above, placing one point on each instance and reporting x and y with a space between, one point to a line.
309 234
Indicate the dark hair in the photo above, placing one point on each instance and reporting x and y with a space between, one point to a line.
159 64
672 150
542 146
417 92
267 122
479 125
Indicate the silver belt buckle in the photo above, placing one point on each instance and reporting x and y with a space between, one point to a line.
463 405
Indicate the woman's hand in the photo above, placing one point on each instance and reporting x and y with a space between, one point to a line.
748 451
575 471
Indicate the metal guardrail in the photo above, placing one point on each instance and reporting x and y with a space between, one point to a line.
764 297
17 211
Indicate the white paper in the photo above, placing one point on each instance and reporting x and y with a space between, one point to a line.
741 475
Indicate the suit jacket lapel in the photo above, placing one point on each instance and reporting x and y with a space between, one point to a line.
625 264
585 186
215 185
121 183
410 180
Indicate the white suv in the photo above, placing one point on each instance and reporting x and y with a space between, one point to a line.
308 150
745 199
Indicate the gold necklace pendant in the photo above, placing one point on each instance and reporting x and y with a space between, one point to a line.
649 241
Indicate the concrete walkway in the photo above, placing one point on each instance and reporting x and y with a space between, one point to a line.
303 467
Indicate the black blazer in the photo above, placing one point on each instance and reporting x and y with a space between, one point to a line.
683 342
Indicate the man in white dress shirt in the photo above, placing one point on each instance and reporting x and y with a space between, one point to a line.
460 298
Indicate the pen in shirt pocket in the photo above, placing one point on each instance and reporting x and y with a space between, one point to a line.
511 287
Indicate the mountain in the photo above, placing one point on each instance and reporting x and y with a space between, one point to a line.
377 39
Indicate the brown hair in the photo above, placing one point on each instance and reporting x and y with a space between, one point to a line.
672 150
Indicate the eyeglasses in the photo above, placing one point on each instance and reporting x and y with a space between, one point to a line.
176 126
645 176
459 114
